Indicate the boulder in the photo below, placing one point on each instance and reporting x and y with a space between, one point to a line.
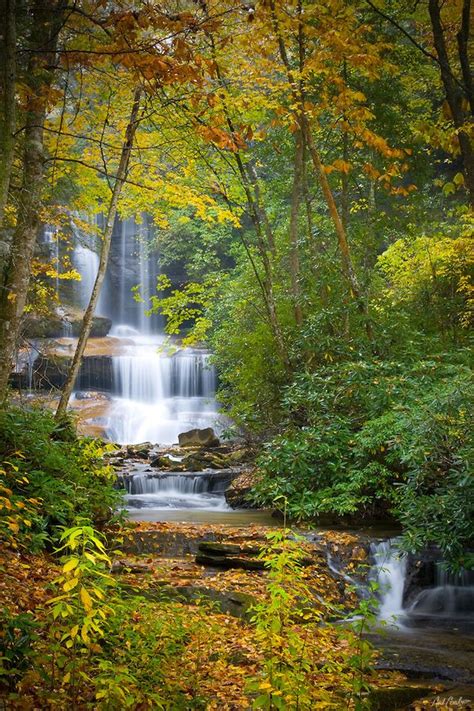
166 463
237 495
139 451
199 438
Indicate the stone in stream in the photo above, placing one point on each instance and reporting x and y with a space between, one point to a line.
199 438
228 562
232 555
140 451
128 566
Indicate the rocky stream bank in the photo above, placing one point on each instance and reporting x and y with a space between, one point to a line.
224 564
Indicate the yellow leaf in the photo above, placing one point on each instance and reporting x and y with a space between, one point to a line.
84 635
70 565
86 599
70 584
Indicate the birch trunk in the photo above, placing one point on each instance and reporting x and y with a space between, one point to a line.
104 257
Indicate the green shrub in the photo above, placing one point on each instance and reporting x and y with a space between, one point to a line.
377 438
48 477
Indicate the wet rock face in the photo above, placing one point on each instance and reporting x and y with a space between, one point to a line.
50 371
55 326
199 438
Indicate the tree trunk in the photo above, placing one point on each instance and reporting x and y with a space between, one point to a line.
295 209
455 92
7 89
104 256
300 117
264 233
47 21
349 271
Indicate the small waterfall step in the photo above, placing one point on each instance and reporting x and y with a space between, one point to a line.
415 591
164 490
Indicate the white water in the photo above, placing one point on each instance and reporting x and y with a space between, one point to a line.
158 396
86 261
452 595
389 570
187 490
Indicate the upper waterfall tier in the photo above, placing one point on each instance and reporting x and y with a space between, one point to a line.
133 267
155 395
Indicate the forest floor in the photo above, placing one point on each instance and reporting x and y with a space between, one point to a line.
218 567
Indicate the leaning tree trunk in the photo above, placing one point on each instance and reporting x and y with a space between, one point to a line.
294 214
263 229
14 282
303 123
459 95
7 89
104 256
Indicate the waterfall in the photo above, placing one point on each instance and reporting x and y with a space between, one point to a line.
132 265
389 570
25 362
86 261
450 596
157 396
187 490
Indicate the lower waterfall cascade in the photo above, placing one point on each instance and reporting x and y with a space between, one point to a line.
450 595
168 490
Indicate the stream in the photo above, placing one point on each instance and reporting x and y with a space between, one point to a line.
149 392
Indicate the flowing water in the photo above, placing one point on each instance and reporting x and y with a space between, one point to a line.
164 491
86 261
156 395
389 570
450 596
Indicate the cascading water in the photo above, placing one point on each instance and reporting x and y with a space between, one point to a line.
389 570
155 395
186 490
450 596
86 261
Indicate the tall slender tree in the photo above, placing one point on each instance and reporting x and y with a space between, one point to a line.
46 23
117 183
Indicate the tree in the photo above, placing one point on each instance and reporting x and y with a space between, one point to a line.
458 83
47 19
8 101
118 181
